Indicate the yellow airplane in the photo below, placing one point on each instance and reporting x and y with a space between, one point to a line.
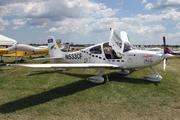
21 50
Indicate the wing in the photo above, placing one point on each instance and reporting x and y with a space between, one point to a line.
90 65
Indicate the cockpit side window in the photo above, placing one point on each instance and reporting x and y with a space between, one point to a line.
96 50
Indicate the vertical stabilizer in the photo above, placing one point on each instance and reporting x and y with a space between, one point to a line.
54 50
169 50
143 47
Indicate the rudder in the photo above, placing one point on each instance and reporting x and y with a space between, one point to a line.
168 50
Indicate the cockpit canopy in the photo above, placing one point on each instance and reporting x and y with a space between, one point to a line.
116 46
108 50
127 47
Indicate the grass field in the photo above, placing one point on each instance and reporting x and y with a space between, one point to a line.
51 94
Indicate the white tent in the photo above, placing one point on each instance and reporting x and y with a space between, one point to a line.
7 41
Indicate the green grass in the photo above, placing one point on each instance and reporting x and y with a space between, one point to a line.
51 94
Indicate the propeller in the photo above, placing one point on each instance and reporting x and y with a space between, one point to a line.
165 55
164 65
164 44
165 51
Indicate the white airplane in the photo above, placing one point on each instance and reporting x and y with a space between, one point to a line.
117 53
152 49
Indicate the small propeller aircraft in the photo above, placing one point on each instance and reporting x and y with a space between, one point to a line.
117 53
21 50
152 49
170 51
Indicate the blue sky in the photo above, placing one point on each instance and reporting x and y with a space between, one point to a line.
82 21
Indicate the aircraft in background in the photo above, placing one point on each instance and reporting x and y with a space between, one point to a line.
152 49
170 51
21 50
116 53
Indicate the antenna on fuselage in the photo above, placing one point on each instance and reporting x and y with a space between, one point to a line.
100 39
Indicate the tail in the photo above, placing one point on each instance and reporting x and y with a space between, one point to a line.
65 47
54 50
169 50
142 47
59 41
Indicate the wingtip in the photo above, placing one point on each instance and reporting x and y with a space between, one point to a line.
8 64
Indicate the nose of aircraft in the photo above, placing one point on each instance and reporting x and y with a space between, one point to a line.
148 59
157 58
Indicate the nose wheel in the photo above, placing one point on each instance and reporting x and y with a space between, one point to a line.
153 78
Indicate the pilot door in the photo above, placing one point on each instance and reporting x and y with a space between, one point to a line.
116 43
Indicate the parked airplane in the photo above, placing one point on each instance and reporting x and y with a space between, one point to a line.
21 50
117 53
170 51
152 49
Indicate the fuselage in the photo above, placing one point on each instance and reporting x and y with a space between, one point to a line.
102 53
24 53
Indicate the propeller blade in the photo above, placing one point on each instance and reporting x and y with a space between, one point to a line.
164 66
164 43
167 55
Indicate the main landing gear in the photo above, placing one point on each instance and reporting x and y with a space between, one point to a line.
97 79
100 79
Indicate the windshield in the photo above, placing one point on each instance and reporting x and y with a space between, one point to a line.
127 47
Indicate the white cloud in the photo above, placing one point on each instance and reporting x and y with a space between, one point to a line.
105 13
72 25
16 9
149 6
18 22
55 14
2 28
144 1
170 14
172 38
162 4
155 29
142 18
3 23
177 26
120 3
15 28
